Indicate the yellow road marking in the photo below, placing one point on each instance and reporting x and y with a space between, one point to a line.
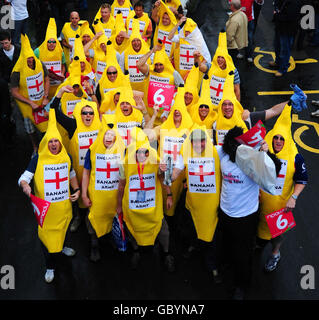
275 93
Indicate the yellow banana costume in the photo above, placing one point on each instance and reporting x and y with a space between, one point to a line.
171 140
107 27
69 100
51 182
204 184
104 178
217 75
162 32
143 217
285 184
52 59
184 51
131 57
121 80
204 99
165 77
31 83
125 124
192 85
223 125
99 60
125 9
119 26
83 137
108 105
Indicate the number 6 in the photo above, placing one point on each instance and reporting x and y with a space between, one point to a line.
281 223
158 97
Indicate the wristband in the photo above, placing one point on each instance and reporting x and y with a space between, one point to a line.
76 190
294 196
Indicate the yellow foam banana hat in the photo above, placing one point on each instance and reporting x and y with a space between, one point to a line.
190 25
283 127
229 94
204 99
174 3
119 25
179 104
79 55
191 83
126 95
223 52
161 57
51 33
26 52
165 9
98 27
86 30
51 133
136 35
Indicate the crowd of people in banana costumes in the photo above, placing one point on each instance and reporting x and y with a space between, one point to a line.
133 117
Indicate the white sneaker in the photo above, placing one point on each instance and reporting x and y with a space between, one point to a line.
315 114
250 60
49 275
315 102
240 56
68 251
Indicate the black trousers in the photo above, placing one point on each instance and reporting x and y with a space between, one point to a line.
238 242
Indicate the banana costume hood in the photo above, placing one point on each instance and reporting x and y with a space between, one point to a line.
31 83
162 32
285 184
107 27
125 9
217 75
52 59
222 123
104 177
171 140
119 26
204 183
142 201
51 182
204 100
192 84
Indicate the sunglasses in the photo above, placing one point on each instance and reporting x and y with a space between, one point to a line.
203 106
51 41
85 113
113 72
279 138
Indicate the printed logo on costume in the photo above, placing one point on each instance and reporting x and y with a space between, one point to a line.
35 87
172 147
56 182
186 56
221 136
100 67
85 140
163 36
142 193
280 181
135 74
201 175
107 171
70 105
55 67
216 89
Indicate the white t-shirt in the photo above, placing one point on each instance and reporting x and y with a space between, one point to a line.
239 195
19 9
9 53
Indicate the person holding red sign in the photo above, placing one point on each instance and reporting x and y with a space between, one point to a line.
52 171
290 183
162 81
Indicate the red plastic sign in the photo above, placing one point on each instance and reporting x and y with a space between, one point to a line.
161 94
40 208
280 222
39 115
254 136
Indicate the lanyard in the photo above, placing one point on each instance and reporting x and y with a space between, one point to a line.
140 169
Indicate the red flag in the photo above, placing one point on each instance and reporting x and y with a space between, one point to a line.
40 208
254 136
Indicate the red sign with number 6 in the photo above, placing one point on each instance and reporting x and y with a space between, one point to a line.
280 222
160 94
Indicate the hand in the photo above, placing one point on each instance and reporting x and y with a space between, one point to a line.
264 146
75 196
163 167
86 201
33 105
87 87
181 20
45 101
155 109
66 88
157 3
290 205
197 55
26 189
98 34
169 202
157 47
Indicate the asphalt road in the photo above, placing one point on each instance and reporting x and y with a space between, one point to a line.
112 278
